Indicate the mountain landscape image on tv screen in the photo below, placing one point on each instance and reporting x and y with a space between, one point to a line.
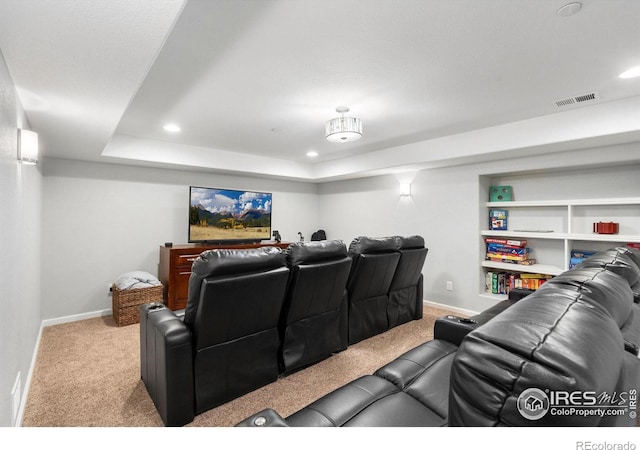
218 215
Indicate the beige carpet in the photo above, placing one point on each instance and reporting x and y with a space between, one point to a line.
87 374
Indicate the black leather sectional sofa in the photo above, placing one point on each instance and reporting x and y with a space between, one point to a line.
254 315
566 355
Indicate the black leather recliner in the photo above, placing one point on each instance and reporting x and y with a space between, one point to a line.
405 291
314 318
228 343
372 271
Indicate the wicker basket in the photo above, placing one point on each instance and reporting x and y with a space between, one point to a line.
126 303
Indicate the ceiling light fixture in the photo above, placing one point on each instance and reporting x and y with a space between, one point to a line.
569 9
631 73
312 154
343 129
171 128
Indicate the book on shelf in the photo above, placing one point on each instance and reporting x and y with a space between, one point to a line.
488 281
532 283
536 276
507 249
510 242
498 219
508 256
635 245
524 262
581 253
577 256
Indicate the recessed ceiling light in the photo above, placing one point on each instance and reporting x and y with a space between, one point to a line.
312 154
569 9
631 73
171 128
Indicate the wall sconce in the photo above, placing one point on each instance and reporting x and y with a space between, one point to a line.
27 146
405 190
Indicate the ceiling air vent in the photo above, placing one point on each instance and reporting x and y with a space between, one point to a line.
591 96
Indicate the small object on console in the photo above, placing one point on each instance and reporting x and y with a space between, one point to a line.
606 227
276 236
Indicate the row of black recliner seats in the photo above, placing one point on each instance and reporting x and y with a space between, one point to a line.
253 315
565 355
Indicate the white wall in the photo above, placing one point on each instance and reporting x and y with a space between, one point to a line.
20 204
447 207
102 220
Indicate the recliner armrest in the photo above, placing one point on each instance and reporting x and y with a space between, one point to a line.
453 328
166 363
267 418
519 293
403 370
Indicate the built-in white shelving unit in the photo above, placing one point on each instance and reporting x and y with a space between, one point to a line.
553 228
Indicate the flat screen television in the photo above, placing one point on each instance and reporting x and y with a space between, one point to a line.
219 216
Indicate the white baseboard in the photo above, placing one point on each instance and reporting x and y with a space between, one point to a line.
75 317
466 312
27 382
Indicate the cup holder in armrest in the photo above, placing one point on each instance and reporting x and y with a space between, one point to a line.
453 328
155 305
265 418
631 348
461 319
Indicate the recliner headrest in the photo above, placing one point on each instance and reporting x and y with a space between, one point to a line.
615 260
309 252
600 286
225 261
406 242
365 244
632 253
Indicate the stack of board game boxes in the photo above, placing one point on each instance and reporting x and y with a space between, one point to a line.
508 251
511 251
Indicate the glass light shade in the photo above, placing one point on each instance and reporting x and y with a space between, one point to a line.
27 146
343 129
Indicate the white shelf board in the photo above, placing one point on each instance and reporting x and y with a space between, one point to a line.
604 237
524 234
533 268
574 202
569 236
